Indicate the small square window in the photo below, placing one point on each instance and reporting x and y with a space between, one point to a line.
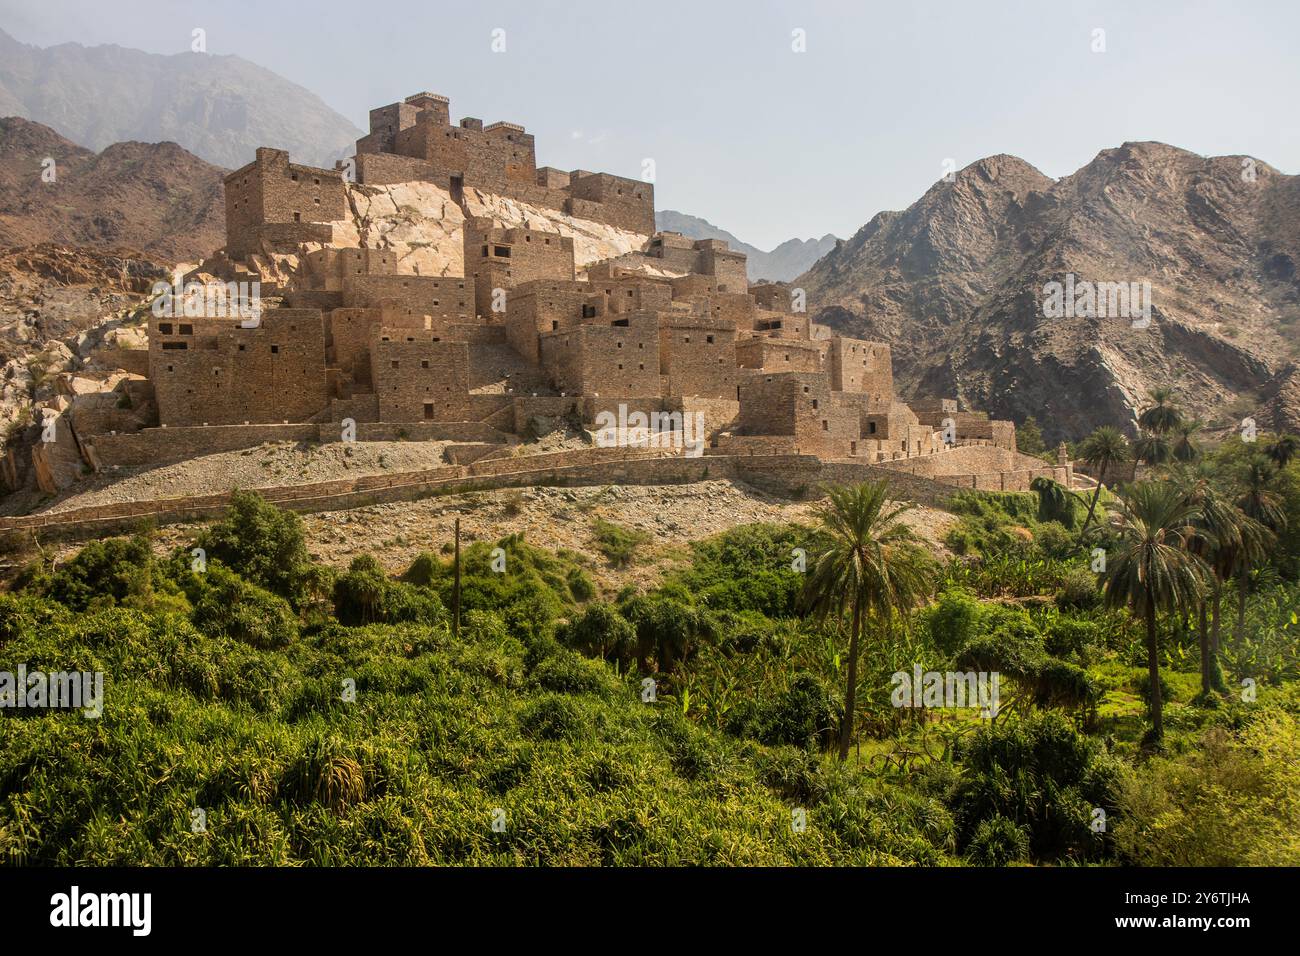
275 350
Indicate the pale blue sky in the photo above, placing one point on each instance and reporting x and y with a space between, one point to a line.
758 139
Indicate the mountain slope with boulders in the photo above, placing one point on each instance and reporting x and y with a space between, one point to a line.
151 198
956 283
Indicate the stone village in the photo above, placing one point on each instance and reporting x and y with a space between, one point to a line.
547 296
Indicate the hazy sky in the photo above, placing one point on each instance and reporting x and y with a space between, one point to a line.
763 141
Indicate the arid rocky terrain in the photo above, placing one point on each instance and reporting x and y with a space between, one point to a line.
154 199
955 284
558 518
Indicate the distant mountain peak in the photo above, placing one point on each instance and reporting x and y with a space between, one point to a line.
787 260
955 282
220 108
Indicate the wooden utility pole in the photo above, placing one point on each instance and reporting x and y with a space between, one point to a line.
455 588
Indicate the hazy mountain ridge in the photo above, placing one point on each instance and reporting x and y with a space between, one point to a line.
789 259
956 284
221 108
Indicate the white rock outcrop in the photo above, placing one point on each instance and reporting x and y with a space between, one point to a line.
426 230
592 241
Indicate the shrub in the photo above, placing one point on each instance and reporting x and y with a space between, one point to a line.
261 543
107 573
226 605
954 620
1042 774
567 673
1232 801
366 595
1075 637
997 842
555 717
1079 590
580 585
600 631
803 715
1055 540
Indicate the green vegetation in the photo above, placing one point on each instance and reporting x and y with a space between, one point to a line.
1149 708
616 543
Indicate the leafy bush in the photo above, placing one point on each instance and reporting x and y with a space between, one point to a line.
261 543
366 595
1233 801
580 585
997 842
227 605
600 631
1042 775
1079 590
748 568
804 715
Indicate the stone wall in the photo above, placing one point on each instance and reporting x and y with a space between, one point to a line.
856 365
272 190
698 356
418 377
216 372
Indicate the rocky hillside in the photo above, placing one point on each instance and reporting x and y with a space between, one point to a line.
57 305
785 262
956 284
153 198
218 107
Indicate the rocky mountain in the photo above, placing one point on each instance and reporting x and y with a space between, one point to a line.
153 198
789 259
958 283
220 108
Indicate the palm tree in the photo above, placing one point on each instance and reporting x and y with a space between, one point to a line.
1153 570
869 563
1103 448
1154 448
1162 416
1228 541
1282 450
1185 448
1260 502
1055 502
